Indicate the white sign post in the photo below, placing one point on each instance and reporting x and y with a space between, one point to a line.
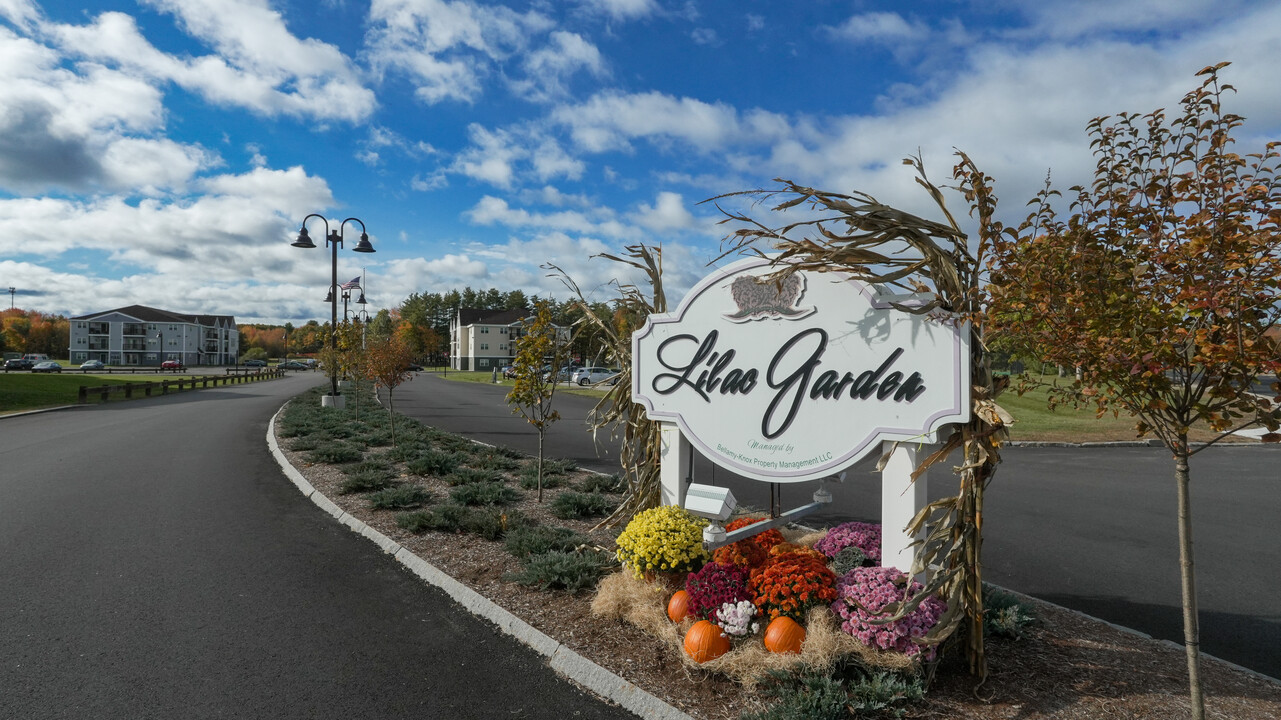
798 381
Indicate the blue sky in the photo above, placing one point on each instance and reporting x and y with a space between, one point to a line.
164 152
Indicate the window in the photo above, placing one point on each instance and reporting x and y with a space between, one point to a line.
484 346
483 363
484 330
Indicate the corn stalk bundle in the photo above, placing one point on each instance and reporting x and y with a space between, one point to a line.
880 245
641 448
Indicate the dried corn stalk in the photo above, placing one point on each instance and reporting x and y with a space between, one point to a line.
877 244
641 447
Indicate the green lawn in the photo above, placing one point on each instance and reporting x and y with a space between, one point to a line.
27 391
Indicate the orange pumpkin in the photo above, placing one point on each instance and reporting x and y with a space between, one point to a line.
678 606
705 641
784 635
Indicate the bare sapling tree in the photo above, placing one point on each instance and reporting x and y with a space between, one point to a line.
539 352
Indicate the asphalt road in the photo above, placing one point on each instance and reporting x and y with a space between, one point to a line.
155 563
1091 529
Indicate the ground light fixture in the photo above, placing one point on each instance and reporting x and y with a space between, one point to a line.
334 240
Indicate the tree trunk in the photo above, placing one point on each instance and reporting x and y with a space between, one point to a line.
540 465
391 414
1187 572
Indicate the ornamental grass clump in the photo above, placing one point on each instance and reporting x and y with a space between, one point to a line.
751 552
864 536
714 586
662 539
863 592
792 582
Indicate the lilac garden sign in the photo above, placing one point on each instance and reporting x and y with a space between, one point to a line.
800 381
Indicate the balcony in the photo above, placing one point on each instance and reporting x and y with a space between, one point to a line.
134 329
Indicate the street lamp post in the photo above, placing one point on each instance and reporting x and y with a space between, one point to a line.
12 290
333 239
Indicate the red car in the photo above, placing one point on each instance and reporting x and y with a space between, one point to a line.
171 365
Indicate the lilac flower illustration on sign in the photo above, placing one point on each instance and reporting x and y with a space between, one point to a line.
758 299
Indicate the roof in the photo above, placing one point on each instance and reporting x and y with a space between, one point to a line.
155 315
473 316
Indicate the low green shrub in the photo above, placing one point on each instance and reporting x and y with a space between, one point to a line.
1004 615
539 539
366 482
883 692
306 442
573 505
808 696
492 523
559 570
433 463
602 483
529 481
484 493
443 518
468 476
405 497
406 451
493 460
335 452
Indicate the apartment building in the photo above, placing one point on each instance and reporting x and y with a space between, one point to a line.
140 335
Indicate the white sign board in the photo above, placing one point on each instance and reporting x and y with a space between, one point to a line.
798 382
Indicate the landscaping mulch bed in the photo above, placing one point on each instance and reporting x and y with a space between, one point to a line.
1066 666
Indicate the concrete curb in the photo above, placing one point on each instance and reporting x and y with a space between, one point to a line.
562 659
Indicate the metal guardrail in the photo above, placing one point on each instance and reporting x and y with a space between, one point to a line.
104 392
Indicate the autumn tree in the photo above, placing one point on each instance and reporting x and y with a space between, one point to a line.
387 364
1160 288
351 356
531 395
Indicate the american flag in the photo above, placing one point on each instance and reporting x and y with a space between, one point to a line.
351 284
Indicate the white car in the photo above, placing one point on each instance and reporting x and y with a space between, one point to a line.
593 375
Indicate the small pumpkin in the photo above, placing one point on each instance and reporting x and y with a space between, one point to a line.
678 606
784 635
705 641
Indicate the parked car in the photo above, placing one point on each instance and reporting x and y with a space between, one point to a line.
18 364
171 365
592 375
563 375
92 365
294 365
254 363
415 367
46 366
509 371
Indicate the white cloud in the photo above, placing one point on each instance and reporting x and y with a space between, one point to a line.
491 157
610 120
549 69
83 130
622 9
879 27
492 210
706 36
446 47
260 65
668 213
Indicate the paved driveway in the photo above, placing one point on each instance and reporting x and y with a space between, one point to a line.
156 564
